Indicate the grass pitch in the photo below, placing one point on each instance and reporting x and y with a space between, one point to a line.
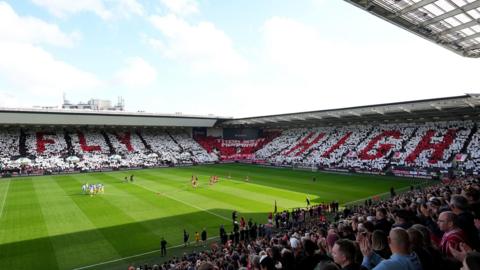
47 223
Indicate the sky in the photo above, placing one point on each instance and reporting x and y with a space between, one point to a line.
222 57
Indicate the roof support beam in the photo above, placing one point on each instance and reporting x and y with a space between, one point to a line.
436 106
257 121
334 115
271 120
354 113
458 41
405 109
315 116
283 119
470 104
378 111
414 7
452 13
458 28
471 48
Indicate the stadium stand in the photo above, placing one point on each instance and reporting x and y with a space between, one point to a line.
446 145
425 228
420 138
190 146
234 149
430 147
96 149
9 143
474 155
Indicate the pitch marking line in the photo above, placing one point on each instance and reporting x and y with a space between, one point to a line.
380 194
4 198
177 246
133 256
191 205
157 250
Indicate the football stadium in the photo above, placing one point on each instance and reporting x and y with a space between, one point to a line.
379 186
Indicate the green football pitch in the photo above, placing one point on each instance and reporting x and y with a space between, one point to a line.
47 223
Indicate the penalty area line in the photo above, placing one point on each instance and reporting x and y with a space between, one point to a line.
188 204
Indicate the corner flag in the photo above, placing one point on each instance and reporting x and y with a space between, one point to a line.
275 208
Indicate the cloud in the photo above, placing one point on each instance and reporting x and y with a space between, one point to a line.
31 30
31 68
8 100
126 8
318 3
137 73
105 9
293 45
28 68
202 46
62 9
181 7
302 69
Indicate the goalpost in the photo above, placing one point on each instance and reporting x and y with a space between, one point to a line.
300 166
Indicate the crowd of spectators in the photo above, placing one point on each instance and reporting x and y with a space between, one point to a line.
327 151
420 152
431 145
434 227
95 149
374 157
9 146
287 139
162 143
473 160
233 149
9 142
197 153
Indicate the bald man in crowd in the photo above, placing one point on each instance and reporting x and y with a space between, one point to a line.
402 258
465 219
452 236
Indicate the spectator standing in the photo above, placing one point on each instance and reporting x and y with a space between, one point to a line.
223 235
343 253
197 238
186 236
452 235
234 216
380 244
402 258
163 247
204 237
465 220
381 221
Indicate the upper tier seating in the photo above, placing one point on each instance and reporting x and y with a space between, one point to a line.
431 146
93 149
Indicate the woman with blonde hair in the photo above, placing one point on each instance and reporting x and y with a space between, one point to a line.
380 244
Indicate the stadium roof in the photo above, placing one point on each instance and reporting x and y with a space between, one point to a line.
438 109
62 117
449 108
453 24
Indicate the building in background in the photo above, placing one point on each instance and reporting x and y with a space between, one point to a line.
95 104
